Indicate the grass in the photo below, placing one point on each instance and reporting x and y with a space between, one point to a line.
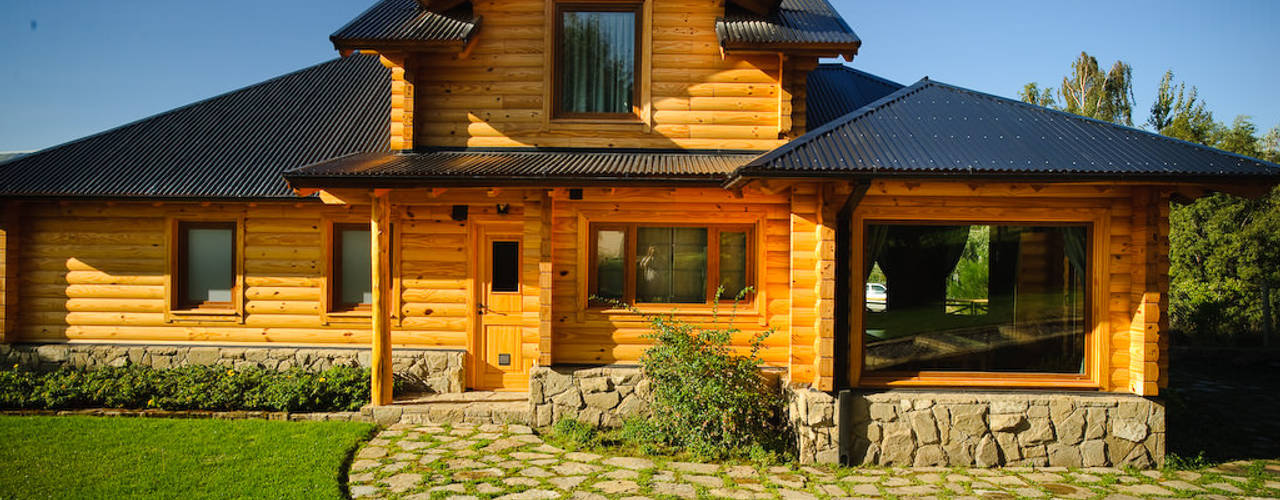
90 457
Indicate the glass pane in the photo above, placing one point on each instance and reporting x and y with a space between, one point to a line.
671 264
597 62
610 272
975 298
506 266
356 267
210 269
733 263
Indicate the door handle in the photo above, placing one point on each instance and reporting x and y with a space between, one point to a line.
480 308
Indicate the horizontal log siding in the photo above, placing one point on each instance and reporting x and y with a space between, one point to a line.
497 95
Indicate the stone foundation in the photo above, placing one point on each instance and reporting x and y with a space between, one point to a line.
812 418
987 429
422 369
599 396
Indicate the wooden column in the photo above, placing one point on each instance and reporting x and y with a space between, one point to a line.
380 227
545 284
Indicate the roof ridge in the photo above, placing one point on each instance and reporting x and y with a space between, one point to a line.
168 112
1073 116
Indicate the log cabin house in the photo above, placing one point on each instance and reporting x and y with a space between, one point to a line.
448 199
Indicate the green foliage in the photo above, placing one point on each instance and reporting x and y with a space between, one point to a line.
1089 91
340 388
643 434
1174 461
972 273
1031 93
575 434
707 399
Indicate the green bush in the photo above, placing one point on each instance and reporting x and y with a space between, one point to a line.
707 399
575 434
340 388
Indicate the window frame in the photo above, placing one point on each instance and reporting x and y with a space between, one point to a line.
334 271
638 8
176 306
1096 355
713 263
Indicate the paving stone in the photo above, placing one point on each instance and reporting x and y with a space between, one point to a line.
372 452
620 474
737 494
831 489
459 444
364 477
958 478
363 491
1063 490
462 463
896 481
395 467
1181 485
546 448
586 495
455 488
486 436
1007 480
492 458
616 486
741 471
489 489
528 438
544 462
665 475
572 468
402 482
579 456
379 442
931 477
468 475
708 481
913 491
535 472
674 489
364 464
860 479
788 494
412 445
1227 487
866 490
519 429
788 480
1187 475
1118 496
1085 478
567 482
491 428
1042 477
526 455
629 463
1144 489
462 497
531 495
502 444
521 481
1028 492
694 467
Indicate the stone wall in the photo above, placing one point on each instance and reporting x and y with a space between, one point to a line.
600 396
422 369
987 429
812 418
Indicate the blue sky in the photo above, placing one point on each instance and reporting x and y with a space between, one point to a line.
70 69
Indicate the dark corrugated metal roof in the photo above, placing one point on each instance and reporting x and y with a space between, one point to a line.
835 90
936 129
230 146
390 21
519 166
808 23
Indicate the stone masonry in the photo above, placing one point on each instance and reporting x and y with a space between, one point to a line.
987 429
811 415
429 370
600 396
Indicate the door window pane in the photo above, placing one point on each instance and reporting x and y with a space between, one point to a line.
597 62
355 266
976 298
733 263
209 266
506 266
611 245
671 264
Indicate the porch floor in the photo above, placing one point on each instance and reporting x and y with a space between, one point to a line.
478 407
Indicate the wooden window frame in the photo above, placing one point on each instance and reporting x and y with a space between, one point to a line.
713 263
640 84
333 273
176 308
1097 331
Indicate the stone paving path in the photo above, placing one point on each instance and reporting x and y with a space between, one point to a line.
511 462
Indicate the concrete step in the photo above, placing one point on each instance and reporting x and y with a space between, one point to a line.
477 407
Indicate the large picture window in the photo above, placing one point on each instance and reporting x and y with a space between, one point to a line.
954 298
597 57
654 264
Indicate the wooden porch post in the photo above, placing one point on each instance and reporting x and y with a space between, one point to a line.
380 227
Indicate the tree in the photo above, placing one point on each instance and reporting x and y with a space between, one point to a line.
1162 108
1032 94
1239 138
1270 145
1090 92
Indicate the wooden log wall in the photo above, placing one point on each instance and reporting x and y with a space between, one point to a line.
498 93
10 236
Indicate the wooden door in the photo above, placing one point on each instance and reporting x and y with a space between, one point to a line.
497 346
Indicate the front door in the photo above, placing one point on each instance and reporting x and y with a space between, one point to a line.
499 362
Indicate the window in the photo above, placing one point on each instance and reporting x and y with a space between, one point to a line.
505 268
956 298
206 270
669 264
597 60
351 269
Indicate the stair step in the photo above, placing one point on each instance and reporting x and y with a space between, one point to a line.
477 407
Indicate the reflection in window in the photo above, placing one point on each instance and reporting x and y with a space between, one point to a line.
671 264
611 245
975 298
597 61
733 264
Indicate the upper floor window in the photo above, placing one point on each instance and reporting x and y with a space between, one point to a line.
597 57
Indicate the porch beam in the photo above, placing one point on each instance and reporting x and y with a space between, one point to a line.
380 228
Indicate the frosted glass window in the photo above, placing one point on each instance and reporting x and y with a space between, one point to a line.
671 264
355 263
611 271
209 265
733 263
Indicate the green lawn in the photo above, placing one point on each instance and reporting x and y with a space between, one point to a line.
89 457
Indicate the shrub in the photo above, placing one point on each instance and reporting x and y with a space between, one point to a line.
707 399
340 388
576 434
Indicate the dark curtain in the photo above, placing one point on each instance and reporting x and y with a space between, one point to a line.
874 244
917 260
598 58
1005 251
1076 241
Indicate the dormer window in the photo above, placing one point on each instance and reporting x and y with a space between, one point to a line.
597 60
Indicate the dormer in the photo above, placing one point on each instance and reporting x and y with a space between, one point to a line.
651 74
